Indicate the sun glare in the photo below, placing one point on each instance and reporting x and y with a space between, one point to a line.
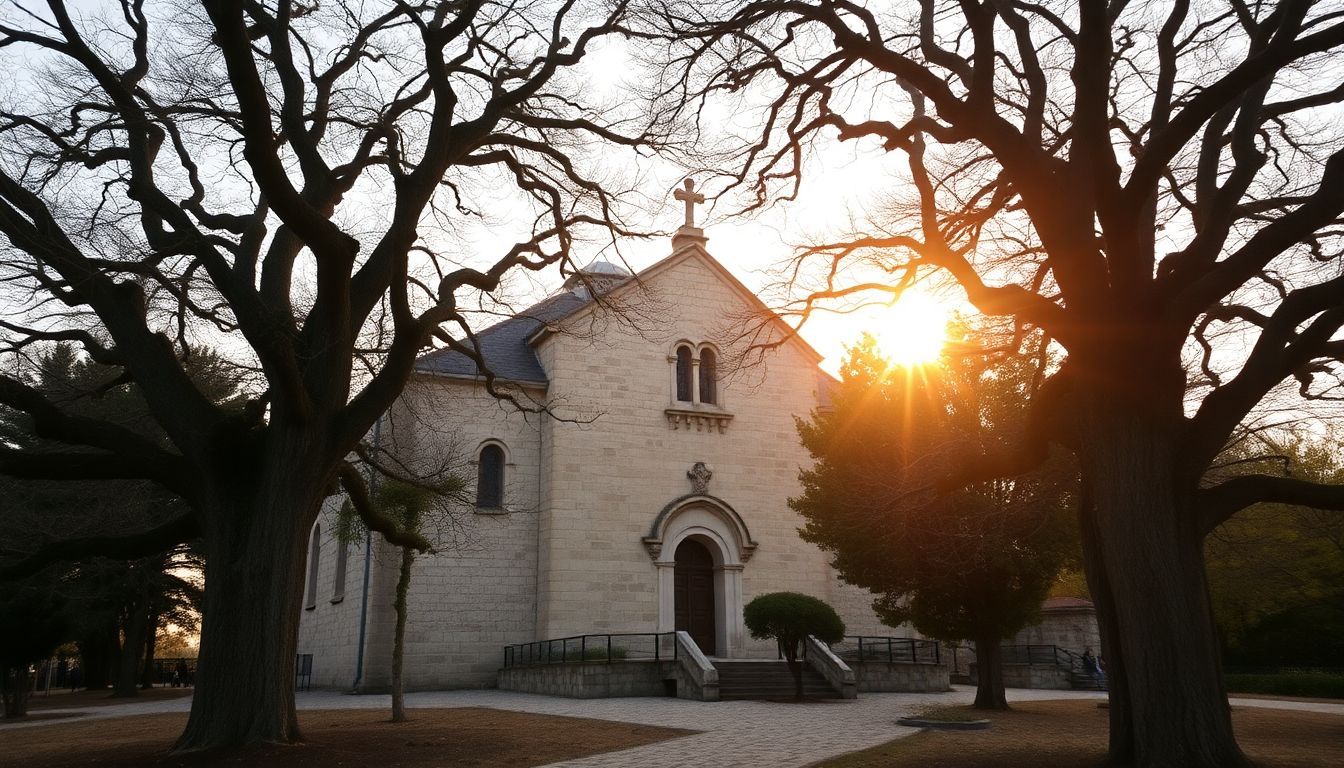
912 331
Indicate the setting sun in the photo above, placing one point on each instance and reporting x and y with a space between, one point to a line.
912 331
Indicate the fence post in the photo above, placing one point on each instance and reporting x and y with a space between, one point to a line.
583 648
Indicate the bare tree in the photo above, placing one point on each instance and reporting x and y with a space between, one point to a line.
1156 186
284 180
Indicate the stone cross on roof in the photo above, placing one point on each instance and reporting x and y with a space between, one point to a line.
690 197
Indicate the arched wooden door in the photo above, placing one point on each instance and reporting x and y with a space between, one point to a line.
693 593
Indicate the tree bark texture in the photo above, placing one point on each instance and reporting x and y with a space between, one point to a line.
15 684
790 651
151 642
1121 733
96 653
1146 562
989 691
399 638
254 575
134 629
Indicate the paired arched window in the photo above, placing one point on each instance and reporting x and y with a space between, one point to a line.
696 374
685 380
490 477
708 377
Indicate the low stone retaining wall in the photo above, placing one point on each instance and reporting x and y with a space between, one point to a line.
884 677
587 680
1039 676
601 679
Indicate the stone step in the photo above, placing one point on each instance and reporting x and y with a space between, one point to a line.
1081 681
768 680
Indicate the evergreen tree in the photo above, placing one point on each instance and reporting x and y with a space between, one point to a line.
971 562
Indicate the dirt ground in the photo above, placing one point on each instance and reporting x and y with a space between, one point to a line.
1072 734
82 699
453 738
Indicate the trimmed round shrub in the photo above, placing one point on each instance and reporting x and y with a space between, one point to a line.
790 617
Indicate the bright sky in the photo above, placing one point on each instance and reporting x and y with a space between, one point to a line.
841 182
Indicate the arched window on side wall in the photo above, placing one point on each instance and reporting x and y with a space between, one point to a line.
314 549
490 477
338 581
684 380
709 385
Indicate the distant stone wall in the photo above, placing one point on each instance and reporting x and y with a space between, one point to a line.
1039 676
1072 626
881 677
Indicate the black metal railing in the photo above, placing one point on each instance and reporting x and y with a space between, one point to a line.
637 646
892 650
1041 654
174 673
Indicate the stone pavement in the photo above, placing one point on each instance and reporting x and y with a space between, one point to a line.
731 733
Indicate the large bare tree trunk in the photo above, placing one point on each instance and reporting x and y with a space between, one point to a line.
1162 651
989 691
399 638
254 578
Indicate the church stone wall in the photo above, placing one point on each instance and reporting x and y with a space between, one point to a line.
581 492
610 478
477 592
855 606
330 629
1074 629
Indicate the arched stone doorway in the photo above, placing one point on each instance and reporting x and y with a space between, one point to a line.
721 536
693 594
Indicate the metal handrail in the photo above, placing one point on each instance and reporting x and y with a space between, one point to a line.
628 646
1041 654
893 650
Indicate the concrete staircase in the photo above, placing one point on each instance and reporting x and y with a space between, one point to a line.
1082 681
768 680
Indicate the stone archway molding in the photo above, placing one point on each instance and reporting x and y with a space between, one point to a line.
745 544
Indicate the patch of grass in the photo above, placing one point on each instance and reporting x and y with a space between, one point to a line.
1321 685
1072 734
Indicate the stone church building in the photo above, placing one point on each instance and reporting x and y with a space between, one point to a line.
655 497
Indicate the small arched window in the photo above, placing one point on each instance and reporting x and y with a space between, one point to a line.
490 477
314 549
709 390
338 581
684 380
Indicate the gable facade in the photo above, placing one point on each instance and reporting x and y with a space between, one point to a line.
599 500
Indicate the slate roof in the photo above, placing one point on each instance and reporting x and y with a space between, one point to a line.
504 345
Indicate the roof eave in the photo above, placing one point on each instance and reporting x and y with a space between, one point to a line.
477 378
